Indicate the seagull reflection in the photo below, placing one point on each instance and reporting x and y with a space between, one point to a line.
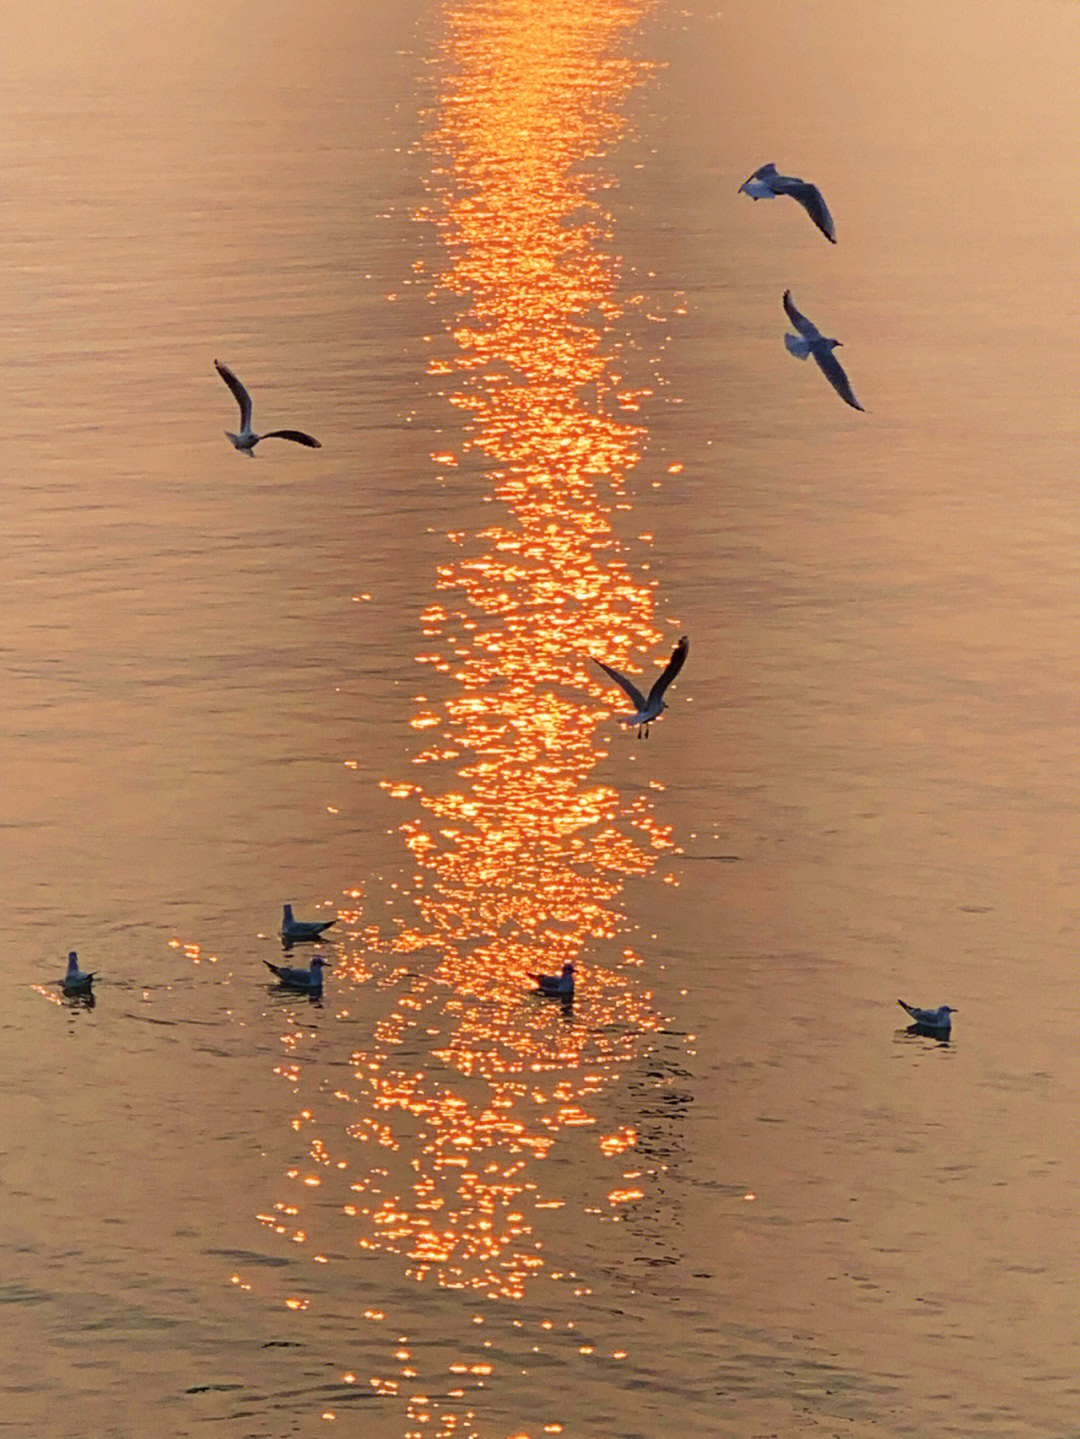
85 1000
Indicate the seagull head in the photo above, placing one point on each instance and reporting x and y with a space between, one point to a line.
568 968
322 963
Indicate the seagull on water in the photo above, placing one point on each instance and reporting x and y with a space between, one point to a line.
559 985
766 184
246 440
293 929
940 1018
648 709
76 980
810 341
309 980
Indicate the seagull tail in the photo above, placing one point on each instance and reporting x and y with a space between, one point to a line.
799 348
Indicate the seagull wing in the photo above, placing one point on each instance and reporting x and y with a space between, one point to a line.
636 697
275 969
920 1016
674 665
833 371
810 198
297 436
804 326
243 399
766 174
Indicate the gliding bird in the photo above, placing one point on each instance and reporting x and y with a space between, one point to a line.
648 709
246 440
766 184
810 341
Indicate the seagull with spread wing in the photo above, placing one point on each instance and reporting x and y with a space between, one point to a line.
810 341
647 709
767 184
246 440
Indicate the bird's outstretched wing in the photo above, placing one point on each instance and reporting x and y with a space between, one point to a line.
243 399
802 324
674 665
833 371
297 436
765 174
631 690
812 201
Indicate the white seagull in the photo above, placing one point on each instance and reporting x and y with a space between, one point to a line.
560 985
246 440
76 980
810 341
648 709
293 929
306 979
766 184
940 1018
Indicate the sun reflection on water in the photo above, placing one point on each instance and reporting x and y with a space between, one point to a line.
521 851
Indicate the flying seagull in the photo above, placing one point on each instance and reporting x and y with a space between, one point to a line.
306 979
559 985
246 440
647 710
810 341
940 1018
76 980
766 184
293 929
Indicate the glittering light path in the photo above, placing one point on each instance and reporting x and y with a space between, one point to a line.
521 852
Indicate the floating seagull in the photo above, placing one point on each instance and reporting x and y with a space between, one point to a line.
559 985
306 979
766 184
810 341
76 981
246 440
293 929
939 1019
649 709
